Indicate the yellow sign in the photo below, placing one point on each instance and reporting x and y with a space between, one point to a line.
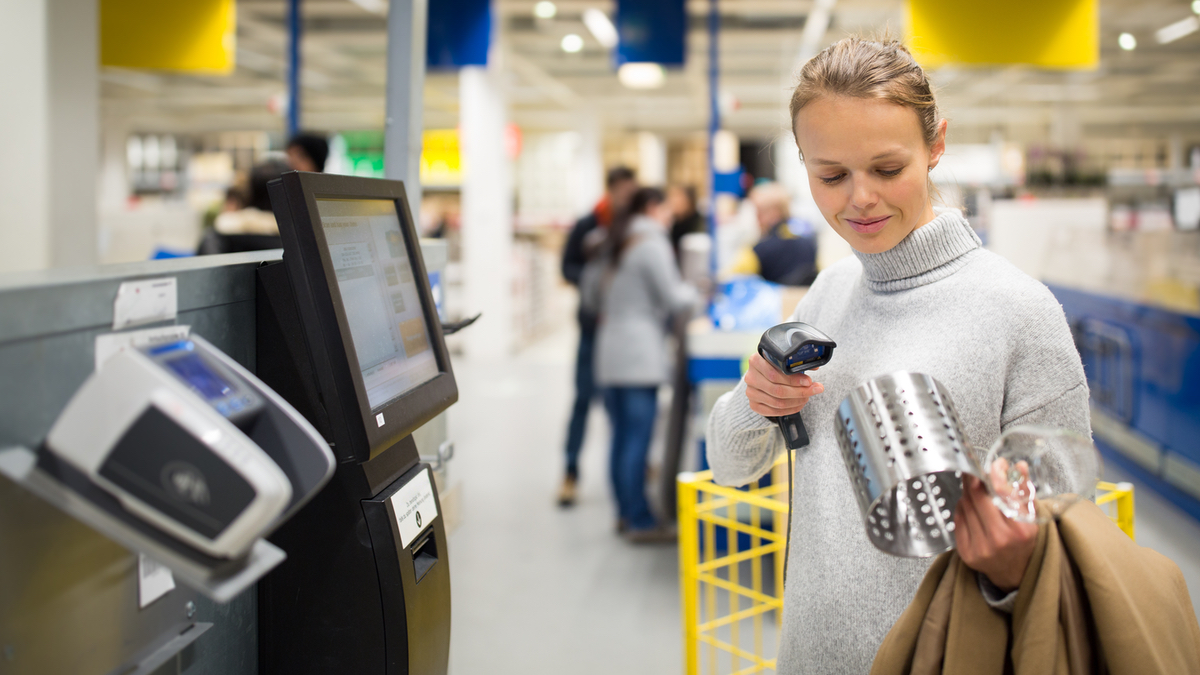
441 165
1057 34
193 36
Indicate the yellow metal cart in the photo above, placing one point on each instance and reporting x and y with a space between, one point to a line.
731 568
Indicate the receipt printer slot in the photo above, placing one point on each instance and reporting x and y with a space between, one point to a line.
424 555
412 564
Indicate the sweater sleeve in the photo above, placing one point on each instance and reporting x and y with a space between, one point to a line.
741 443
662 275
1045 383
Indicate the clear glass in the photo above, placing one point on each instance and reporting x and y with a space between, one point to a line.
1037 473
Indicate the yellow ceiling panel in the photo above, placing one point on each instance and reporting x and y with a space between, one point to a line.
1054 34
191 35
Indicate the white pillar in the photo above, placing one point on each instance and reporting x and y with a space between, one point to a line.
407 22
487 206
49 122
589 164
652 160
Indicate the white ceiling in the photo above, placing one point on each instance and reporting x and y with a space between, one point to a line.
1153 91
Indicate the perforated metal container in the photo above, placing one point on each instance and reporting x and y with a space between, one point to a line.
905 451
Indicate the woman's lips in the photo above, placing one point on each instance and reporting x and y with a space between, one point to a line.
868 225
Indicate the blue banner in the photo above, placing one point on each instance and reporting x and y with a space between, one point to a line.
651 31
459 34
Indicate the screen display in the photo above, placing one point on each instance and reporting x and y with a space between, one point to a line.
380 296
192 369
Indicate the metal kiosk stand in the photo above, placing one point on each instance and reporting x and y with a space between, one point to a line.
348 334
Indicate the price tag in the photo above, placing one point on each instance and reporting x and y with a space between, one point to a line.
145 301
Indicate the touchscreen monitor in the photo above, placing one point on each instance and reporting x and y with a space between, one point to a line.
368 347
379 294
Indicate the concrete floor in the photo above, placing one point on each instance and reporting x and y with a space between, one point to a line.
538 589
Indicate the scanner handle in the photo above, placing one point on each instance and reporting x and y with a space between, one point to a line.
795 435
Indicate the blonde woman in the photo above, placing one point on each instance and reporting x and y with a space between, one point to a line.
920 294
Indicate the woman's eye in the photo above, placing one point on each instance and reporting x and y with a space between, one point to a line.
890 173
830 180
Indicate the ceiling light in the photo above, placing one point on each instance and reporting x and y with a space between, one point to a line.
601 27
372 6
545 10
641 75
1196 6
1127 42
1177 30
572 43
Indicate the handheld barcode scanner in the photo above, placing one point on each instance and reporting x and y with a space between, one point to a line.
795 347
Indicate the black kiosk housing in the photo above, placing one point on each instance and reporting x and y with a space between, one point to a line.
347 332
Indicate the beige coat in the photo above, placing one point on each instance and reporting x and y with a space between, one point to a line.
1091 601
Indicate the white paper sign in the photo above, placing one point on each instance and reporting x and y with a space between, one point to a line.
145 301
109 344
154 581
415 508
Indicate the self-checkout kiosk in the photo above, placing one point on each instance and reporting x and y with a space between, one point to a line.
348 333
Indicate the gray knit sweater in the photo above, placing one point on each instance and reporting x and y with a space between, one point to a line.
938 304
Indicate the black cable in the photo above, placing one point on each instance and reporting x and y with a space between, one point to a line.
787 539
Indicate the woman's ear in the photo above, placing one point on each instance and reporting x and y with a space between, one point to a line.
939 144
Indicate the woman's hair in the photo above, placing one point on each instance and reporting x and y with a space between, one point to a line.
864 68
618 231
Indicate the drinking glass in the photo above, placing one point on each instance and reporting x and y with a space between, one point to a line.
1030 464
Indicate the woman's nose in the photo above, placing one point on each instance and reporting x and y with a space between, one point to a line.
864 195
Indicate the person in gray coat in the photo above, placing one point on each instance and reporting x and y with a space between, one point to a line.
635 286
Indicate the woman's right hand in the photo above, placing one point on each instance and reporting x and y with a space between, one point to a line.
774 394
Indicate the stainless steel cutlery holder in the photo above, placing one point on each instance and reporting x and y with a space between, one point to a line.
905 452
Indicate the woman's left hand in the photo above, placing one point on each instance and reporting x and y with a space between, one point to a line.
989 542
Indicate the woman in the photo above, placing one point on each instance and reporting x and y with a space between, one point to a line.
920 294
635 286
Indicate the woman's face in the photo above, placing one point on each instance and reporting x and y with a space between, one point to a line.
660 212
868 166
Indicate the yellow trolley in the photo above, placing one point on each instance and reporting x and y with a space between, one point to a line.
731 568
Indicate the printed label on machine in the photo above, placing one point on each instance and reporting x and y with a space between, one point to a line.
154 581
414 507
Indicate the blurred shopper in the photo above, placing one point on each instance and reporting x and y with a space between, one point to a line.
685 218
307 152
635 285
253 227
920 294
786 252
620 186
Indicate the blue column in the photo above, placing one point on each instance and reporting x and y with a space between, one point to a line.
714 125
293 119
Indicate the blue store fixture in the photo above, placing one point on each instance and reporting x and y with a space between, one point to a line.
714 125
293 110
459 34
652 31
1143 368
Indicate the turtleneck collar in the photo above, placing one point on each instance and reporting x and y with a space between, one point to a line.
929 253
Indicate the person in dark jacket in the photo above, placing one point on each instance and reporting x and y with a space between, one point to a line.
619 188
685 219
786 252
